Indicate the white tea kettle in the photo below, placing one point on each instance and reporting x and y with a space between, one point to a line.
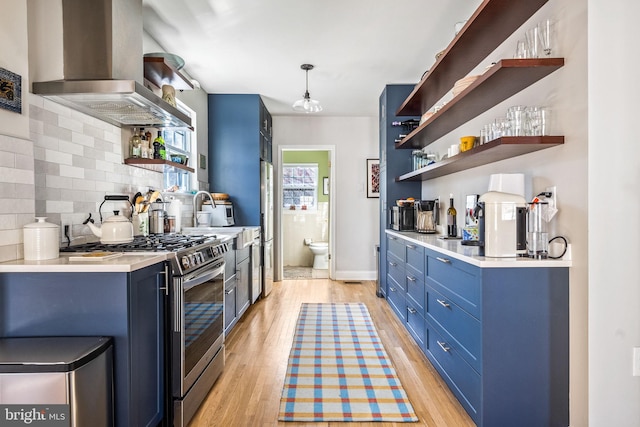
114 230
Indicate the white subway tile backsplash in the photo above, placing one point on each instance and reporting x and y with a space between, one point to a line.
70 148
54 181
7 160
47 142
8 222
58 157
71 171
85 140
106 187
59 206
17 206
24 162
16 145
11 237
57 132
102 165
70 123
16 176
84 184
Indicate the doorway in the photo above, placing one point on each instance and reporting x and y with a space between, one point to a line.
305 212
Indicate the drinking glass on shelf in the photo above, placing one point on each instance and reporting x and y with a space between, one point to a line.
533 42
540 120
521 50
517 119
546 35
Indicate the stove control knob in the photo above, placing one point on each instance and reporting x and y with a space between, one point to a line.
185 261
192 259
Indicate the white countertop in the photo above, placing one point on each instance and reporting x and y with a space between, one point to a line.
126 263
469 254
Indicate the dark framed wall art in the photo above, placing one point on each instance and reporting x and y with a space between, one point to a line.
373 178
10 91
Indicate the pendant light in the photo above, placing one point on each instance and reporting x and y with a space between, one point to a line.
306 104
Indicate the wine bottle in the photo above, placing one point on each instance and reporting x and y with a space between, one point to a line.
451 219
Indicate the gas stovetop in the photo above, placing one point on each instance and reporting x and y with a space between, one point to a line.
152 243
190 252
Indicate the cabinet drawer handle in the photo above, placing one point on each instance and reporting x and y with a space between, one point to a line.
228 292
411 246
443 303
411 279
444 346
393 264
412 310
392 238
392 289
446 261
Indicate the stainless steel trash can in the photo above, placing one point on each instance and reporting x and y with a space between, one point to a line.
64 379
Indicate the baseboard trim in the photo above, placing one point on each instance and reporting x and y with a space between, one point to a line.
355 275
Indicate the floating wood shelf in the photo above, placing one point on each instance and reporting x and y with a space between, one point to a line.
504 79
156 165
159 72
493 151
491 24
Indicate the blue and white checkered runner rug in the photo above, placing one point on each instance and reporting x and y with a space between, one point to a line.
339 371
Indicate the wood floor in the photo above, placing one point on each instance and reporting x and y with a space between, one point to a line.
248 391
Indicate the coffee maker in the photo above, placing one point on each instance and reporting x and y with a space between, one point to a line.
427 216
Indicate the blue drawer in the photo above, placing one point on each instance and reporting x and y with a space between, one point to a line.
462 330
415 291
456 280
462 379
396 246
415 259
395 269
415 324
396 298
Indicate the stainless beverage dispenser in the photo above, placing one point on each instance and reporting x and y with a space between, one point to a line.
427 216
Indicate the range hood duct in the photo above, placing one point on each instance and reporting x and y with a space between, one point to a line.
102 66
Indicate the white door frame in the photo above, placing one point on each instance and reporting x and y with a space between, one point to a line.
279 251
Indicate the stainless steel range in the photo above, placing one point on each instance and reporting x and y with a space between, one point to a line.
195 313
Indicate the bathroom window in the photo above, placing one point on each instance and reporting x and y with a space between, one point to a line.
300 186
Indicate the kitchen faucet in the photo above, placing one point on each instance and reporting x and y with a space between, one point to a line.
195 205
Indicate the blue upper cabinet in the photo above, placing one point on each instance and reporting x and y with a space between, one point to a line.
239 138
392 162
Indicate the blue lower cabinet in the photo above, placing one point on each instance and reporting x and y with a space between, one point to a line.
461 378
415 324
499 337
396 298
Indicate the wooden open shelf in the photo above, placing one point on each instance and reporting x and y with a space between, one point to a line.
492 151
491 24
156 165
504 79
159 72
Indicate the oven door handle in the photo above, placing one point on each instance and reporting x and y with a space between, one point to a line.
197 280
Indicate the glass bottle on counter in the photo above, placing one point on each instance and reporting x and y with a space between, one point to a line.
451 219
135 144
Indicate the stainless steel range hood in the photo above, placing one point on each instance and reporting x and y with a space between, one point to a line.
102 64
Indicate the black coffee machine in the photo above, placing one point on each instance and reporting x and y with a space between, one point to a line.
402 218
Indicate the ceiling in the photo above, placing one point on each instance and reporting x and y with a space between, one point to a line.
257 46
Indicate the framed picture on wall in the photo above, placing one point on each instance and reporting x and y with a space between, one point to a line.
10 91
373 178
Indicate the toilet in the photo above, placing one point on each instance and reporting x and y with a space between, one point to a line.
320 251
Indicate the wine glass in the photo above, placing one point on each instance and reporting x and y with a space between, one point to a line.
546 36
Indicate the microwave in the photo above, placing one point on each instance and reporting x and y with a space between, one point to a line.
402 218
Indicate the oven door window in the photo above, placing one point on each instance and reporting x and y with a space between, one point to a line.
203 319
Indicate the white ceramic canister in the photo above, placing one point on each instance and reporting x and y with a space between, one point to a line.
41 240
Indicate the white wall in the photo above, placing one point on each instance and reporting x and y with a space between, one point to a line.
614 177
355 139
565 92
